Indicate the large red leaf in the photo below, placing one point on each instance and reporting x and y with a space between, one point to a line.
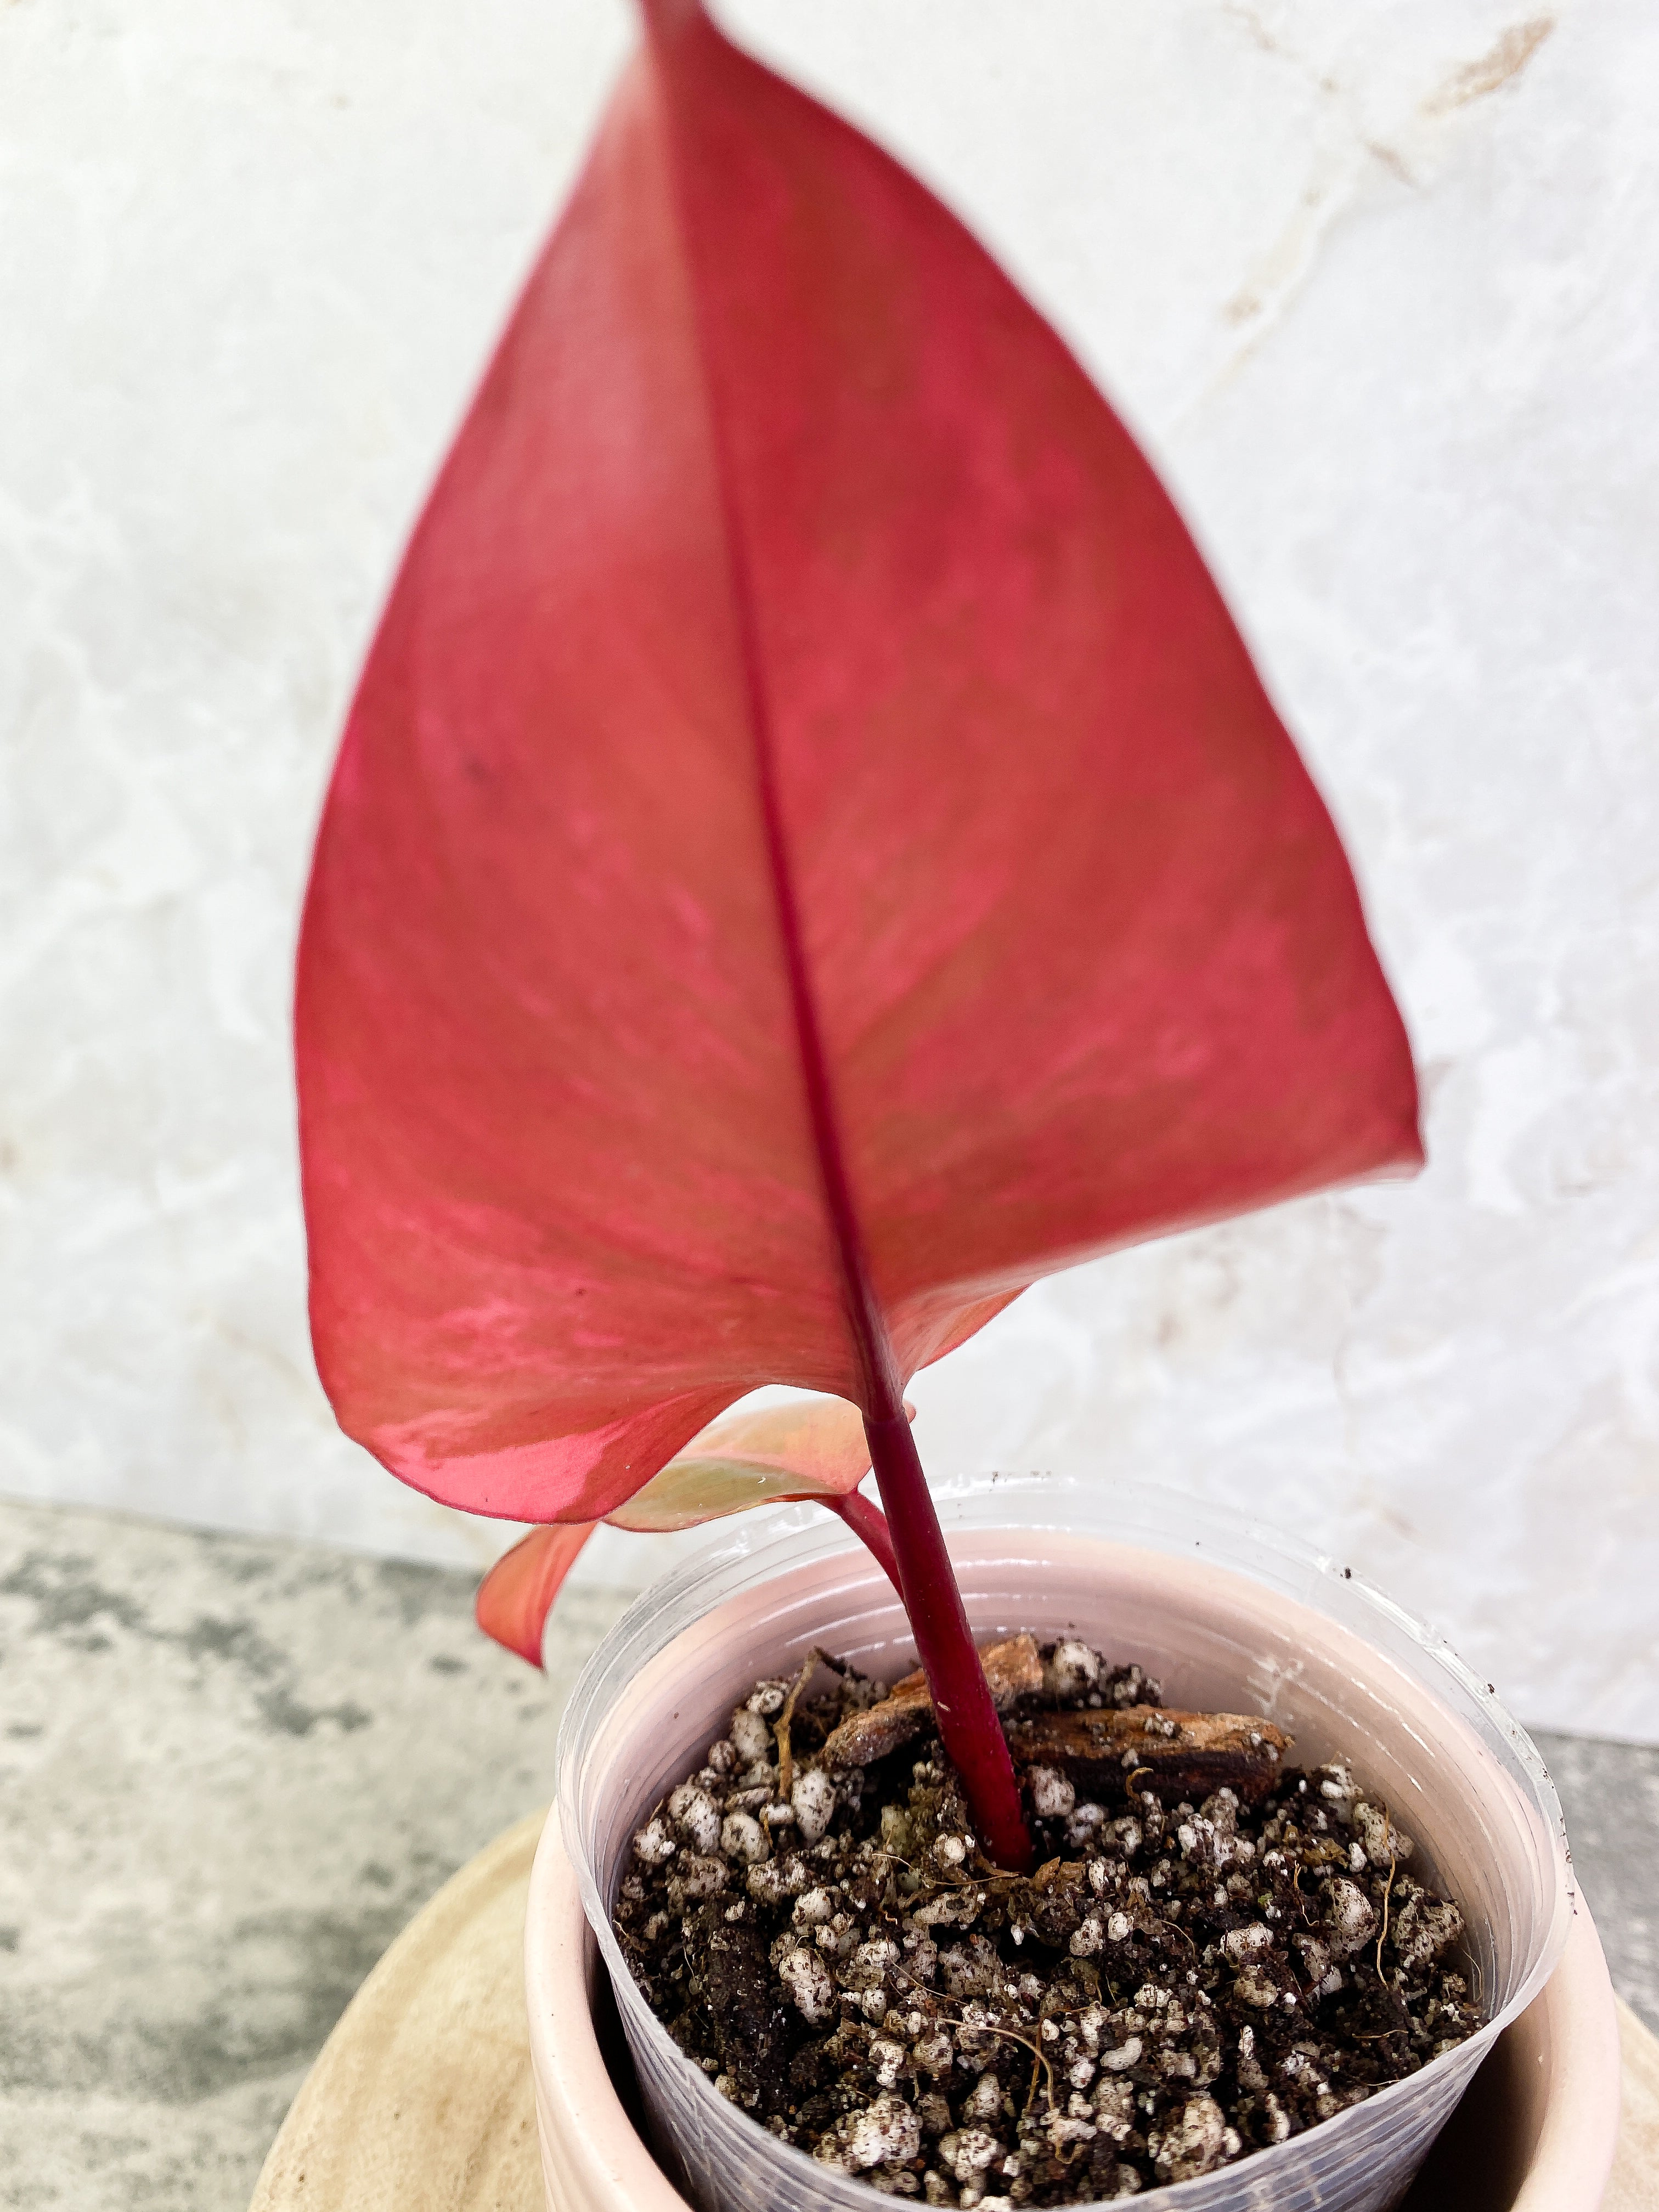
809 848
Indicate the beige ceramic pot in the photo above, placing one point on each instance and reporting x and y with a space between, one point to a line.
1230 1619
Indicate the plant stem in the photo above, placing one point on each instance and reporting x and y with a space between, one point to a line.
968 1723
963 1709
869 1524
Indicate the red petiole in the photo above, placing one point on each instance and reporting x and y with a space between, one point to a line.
869 1524
962 1709
964 1712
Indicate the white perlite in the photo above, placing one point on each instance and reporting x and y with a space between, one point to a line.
969 2151
888 2058
696 1816
1383 1842
1071 1671
653 1843
742 1837
1242 1944
813 1799
1349 1915
984 2100
808 1983
1196 2144
750 1737
695 1876
886 2133
1052 1796
1424 1928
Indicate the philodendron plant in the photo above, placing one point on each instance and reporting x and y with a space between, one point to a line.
810 854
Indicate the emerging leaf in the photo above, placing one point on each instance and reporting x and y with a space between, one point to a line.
810 1448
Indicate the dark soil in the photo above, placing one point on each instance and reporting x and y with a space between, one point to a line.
1186 1978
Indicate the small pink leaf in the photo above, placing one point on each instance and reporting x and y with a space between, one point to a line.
517 1595
810 1449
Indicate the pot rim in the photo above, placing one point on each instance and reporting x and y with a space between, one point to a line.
736 1558
749 1536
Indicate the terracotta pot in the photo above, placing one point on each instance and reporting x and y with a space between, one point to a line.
1275 1630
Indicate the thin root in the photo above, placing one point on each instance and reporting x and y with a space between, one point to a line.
1387 1890
810 1666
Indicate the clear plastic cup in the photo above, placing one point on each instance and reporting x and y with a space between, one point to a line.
1230 1617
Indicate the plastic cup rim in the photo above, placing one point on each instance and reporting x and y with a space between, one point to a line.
807 1533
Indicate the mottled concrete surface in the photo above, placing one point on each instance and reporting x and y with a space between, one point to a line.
231 1770
1610 1794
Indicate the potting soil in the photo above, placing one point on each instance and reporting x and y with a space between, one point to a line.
1192 1974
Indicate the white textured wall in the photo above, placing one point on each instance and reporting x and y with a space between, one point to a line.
1376 281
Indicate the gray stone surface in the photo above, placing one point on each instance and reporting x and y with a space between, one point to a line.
231 1770
1610 1794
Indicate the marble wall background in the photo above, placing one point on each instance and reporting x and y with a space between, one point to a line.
1378 285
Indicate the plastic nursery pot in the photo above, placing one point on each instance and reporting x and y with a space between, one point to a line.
1228 1616
1535 2132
